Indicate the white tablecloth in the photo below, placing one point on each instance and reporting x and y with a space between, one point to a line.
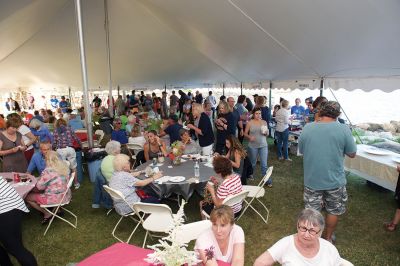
379 169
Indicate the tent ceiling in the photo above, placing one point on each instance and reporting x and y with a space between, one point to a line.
191 42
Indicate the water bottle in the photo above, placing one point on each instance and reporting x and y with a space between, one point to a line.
196 169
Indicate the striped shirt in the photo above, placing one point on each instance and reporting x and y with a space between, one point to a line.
9 198
231 186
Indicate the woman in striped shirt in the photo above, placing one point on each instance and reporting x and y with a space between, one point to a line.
12 207
230 185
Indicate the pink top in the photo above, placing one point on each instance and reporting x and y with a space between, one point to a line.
207 240
231 186
53 186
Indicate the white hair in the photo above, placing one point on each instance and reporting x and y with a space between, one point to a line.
113 147
35 123
120 161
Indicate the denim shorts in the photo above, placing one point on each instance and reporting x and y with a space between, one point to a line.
333 200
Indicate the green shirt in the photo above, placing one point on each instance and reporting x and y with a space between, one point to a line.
107 167
124 121
324 146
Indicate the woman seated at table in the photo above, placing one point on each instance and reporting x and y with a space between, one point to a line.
191 147
224 241
236 154
136 136
231 185
304 248
126 182
51 185
154 146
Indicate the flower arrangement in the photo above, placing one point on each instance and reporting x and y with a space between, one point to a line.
170 251
177 149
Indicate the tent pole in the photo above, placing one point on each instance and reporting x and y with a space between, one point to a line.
165 87
118 90
223 89
107 29
321 87
270 96
241 88
88 110
69 95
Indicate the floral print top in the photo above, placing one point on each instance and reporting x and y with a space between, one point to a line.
53 186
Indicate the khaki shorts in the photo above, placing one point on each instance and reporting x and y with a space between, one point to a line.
333 200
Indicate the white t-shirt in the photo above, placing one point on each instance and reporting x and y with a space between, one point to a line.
282 119
25 130
207 240
285 252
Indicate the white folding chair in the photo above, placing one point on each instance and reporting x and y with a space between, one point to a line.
117 195
257 192
160 219
344 262
231 201
56 207
191 231
100 133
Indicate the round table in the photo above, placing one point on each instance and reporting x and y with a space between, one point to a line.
22 188
185 169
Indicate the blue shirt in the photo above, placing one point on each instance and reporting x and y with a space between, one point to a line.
54 103
38 117
298 111
173 132
324 146
43 133
75 124
37 163
63 105
120 136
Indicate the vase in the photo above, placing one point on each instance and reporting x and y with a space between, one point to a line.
176 160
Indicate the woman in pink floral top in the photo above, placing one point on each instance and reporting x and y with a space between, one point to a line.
51 185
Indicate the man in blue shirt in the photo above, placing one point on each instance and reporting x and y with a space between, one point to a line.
38 116
38 159
75 122
297 110
324 145
119 134
172 129
54 102
63 104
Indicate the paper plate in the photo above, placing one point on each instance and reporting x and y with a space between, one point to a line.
396 159
176 179
375 151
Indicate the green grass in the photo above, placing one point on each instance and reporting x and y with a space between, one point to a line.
360 235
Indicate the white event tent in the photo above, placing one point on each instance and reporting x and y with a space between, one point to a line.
349 44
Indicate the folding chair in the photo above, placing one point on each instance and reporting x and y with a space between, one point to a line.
56 207
117 195
135 148
160 219
257 192
191 231
230 201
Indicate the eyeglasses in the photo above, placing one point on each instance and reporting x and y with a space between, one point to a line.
118 123
311 231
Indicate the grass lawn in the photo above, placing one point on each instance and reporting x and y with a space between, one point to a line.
360 235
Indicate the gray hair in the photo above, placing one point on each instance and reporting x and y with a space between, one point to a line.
120 161
313 217
113 147
35 123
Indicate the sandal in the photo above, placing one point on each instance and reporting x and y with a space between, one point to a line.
46 220
390 227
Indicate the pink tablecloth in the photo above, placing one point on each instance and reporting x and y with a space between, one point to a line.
121 254
22 188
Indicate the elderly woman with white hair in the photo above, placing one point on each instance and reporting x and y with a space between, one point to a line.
304 248
131 123
40 130
104 174
127 183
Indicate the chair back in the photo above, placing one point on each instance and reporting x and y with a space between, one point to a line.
235 199
191 231
70 181
149 208
134 146
266 177
115 194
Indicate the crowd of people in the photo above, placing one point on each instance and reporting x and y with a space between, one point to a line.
44 142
